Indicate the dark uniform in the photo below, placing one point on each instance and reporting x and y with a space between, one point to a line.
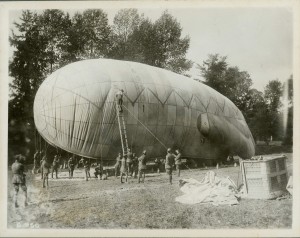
129 162
119 97
157 162
169 164
35 161
55 165
87 168
46 170
142 166
135 165
98 171
117 164
178 162
123 170
71 167
19 179
41 167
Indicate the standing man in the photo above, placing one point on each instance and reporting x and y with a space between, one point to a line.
123 170
169 164
71 166
135 165
157 162
142 166
178 161
98 170
129 162
119 97
19 178
117 164
41 162
35 161
46 170
55 165
87 168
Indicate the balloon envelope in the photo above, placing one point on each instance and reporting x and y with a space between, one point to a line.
74 109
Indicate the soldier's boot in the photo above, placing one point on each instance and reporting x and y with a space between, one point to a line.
170 179
121 178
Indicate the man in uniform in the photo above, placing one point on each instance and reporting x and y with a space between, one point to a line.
46 170
87 168
178 161
123 170
135 165
169 164
157 162
35 161
98 170
117 164
19 178
119 97
129 162
55 165
41 162
142 166
71 166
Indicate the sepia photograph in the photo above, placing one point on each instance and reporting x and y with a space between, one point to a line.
152 116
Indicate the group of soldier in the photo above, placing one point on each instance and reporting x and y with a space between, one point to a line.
131 165
127 165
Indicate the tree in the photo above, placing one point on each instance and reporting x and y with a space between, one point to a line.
229 81
158 44
170 50
126 21
272 95
89 35
256 115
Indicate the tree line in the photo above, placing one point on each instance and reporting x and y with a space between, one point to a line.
44 42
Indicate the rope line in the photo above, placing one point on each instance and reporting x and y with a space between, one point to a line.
146 128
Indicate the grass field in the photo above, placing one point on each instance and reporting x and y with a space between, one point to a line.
109 204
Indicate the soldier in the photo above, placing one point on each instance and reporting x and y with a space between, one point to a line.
81 163
98 171
71 166
119 97
41 162
123 170
35 161
157 162
87 168
135 165
117 164
169 164
19 178
142 166
178 161
55 165
129 162
46 170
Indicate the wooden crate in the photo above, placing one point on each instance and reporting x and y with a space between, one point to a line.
266 178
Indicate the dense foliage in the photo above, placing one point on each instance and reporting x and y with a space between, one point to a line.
262 110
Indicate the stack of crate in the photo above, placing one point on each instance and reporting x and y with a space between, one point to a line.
265 177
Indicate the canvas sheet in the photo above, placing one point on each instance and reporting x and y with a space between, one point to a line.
210 190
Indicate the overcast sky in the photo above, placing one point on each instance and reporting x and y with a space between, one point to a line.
257 40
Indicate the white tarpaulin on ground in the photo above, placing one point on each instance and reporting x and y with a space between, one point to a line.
212 189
